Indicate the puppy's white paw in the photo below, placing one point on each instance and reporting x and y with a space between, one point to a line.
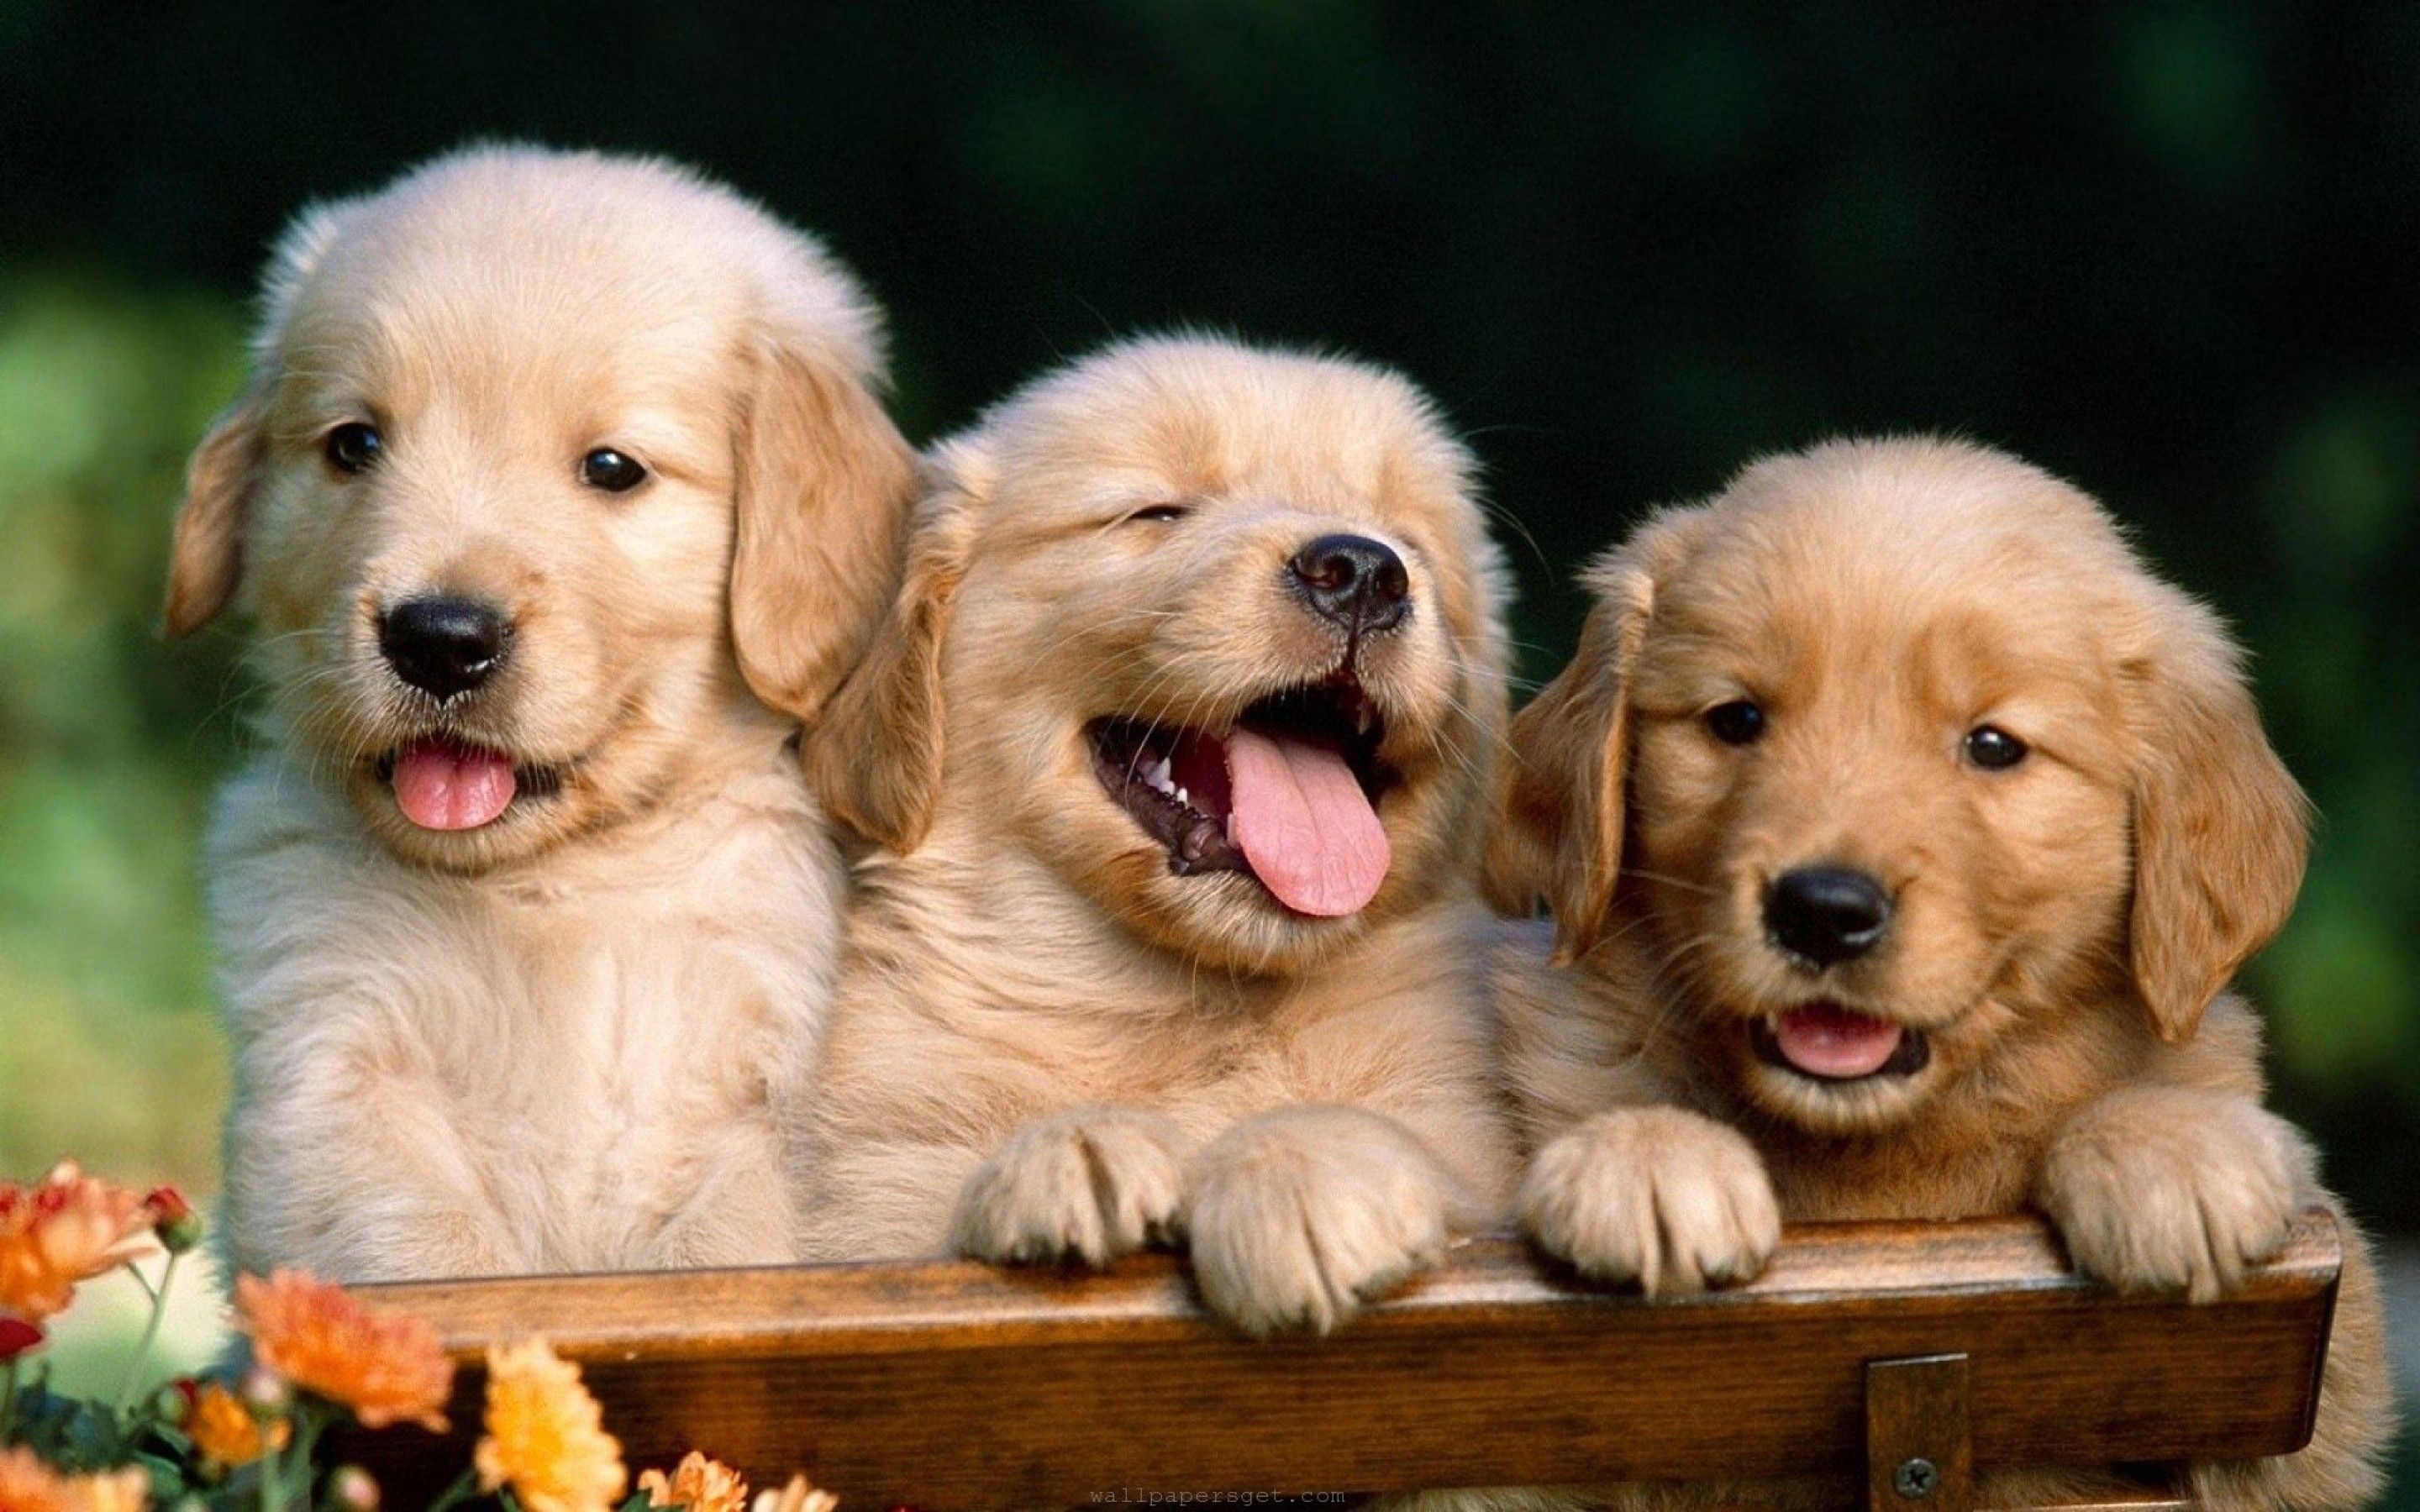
1661 1196
2173 1189
1090 1185
1302 1214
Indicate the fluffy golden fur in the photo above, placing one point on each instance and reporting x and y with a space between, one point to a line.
1046 1044
2061 929
546 1043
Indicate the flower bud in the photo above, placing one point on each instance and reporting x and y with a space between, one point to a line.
174 1221
16 1336
352 1489
265 1392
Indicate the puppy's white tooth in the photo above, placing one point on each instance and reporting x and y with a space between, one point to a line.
1182 797
1159 772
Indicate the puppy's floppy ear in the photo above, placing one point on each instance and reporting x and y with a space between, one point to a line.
205 560
874 757
1559 817
2221 830
825 484
1559 825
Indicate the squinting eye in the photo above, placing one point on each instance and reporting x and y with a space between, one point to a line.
1736 723
1157 514
1993 748
352 447
609 469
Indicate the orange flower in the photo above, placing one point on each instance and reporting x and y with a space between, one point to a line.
117 1490
27 1485
700 1484
798 1496
66 1228
386 1368
226 1433
544 1437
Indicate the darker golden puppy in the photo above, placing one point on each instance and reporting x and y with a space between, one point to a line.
1902 832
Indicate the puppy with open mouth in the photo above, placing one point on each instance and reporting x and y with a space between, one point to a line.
1175 757
1903 832
559 495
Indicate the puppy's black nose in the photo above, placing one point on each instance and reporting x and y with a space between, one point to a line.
1356 582
443 645
1825 915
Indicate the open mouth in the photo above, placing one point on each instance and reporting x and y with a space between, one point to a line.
1288 796
1826 1041
446 784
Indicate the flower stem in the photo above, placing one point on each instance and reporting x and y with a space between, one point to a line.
144 1281
307 1445
150 1334
456 1494
8 1402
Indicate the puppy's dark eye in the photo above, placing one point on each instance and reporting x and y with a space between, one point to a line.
1158 514
1993 748
1740 723
353 447
609 469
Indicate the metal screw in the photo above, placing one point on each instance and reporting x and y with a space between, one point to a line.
1915 1479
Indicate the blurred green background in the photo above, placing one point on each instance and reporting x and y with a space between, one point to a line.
2165 249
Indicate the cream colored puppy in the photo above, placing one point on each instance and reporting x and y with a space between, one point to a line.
556 470
1176 751
1903 833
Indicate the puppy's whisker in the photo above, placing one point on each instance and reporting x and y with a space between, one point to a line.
1508 519
1497 674
229 694
1671 881
1501 737
1095 629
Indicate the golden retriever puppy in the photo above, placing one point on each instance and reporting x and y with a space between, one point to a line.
1177 751
1903 833
555 471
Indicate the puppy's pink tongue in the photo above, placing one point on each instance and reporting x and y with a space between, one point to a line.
1826 1040
442 785
1299 816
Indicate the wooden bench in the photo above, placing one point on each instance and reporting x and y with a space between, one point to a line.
1905 1356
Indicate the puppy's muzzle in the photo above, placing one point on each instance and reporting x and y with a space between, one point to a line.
1356 583
443 645
1823 915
